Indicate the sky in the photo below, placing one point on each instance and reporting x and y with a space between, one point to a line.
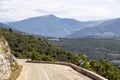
83 10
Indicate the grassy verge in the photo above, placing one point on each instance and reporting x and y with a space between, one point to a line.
16 69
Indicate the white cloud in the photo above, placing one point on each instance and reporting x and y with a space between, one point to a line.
78 9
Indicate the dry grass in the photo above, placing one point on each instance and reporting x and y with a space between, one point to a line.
16 69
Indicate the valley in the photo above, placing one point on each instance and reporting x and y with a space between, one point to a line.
94 48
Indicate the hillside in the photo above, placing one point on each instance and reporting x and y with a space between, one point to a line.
50 25
94 48
108 29
5 68
27 46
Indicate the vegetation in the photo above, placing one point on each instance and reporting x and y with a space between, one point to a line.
94 48
16 69
104 68
27 46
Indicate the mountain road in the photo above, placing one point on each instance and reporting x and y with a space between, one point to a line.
40 71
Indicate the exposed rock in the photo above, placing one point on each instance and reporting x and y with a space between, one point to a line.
5 68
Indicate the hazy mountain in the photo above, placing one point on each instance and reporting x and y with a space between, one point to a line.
51 25
110 28
3 25
15 30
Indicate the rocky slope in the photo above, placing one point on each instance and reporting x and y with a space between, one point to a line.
5 68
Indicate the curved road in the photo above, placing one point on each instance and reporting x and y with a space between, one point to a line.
39 71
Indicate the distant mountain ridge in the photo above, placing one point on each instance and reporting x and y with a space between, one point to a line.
3 25
8 27
51 25
107 29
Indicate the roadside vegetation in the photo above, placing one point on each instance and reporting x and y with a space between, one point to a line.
16 69
27 46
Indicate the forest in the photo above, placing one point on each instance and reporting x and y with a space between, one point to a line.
28 46
94 48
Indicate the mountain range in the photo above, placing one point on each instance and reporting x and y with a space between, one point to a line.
108 29
50 25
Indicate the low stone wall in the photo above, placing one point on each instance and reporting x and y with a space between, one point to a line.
83 71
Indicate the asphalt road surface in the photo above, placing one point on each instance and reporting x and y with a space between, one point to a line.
39 71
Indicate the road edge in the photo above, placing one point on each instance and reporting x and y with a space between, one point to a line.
83 71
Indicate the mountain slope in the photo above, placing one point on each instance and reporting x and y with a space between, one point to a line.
5 68
51 25
110 28
3 25
27 46
94 48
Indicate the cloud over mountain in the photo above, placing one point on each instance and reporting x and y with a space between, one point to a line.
78 9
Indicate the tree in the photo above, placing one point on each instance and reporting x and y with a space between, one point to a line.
94 65
46 58
84 57
10 30
76 58
86 65
35 56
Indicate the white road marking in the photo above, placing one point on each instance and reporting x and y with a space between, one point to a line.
26 73
45 73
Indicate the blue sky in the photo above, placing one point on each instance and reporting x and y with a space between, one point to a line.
13 10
